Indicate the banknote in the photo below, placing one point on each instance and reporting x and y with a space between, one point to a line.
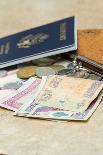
8 81
25 109
39 111
9 84
25 94
89 111
5 93
12 71
44 112
68 93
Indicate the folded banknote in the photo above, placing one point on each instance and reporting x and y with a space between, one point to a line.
25 94
47 106
33 110
68 93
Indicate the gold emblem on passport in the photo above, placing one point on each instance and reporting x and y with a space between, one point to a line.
30 40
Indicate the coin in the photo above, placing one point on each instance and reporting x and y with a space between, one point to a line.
25 64
86 75
57 68
84 69
45 71
65 71
71 66
42 62
94 77
79 74
3 73
27 72
70 74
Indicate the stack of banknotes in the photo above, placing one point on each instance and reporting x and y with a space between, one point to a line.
53 97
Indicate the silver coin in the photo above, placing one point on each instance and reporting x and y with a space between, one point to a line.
45 71
86 76
70 74
65 71
84 69
3 73
13 85
71 66
79 74
94 77
57 68
42 62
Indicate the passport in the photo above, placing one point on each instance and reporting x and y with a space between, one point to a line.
50 39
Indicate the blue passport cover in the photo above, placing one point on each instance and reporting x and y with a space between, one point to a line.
50 39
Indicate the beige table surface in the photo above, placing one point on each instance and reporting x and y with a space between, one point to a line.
21 136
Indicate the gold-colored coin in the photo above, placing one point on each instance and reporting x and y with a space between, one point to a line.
27 72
